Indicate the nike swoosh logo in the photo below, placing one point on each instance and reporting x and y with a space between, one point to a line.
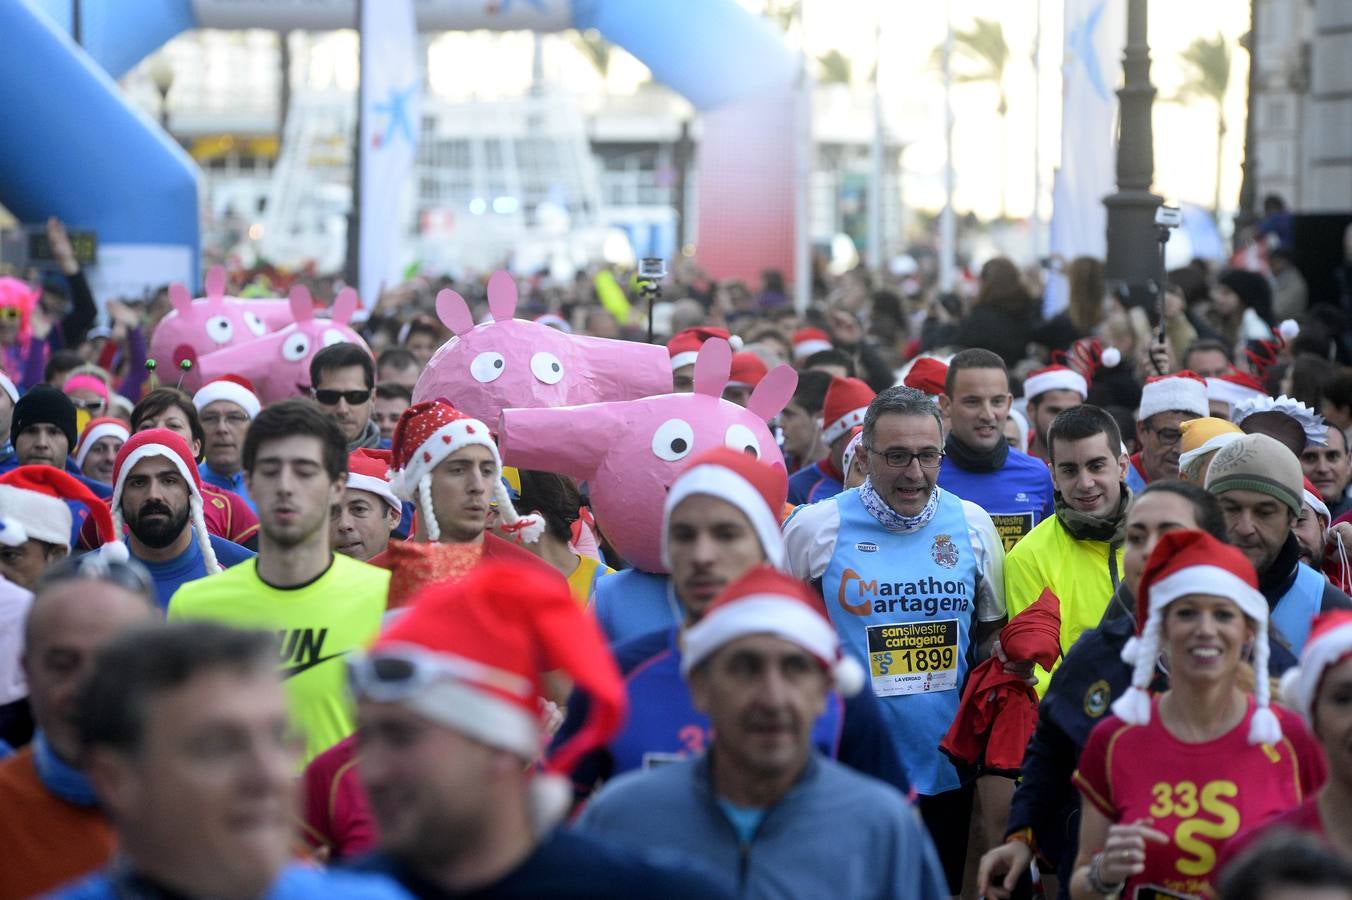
291 671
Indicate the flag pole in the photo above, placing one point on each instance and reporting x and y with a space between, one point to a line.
352 268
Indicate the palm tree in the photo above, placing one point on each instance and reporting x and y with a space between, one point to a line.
983 50
1207 64
835 68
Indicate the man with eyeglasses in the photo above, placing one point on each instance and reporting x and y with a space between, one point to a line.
51 826
343 379
1167 401
913 579
225 407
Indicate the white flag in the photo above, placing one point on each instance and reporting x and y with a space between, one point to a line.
1094 34
391 87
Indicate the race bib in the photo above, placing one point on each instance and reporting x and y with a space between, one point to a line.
1012 527
913 658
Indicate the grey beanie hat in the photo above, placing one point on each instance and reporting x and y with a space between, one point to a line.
1259 463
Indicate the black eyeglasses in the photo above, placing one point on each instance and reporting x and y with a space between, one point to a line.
331 398
900 459
1168 436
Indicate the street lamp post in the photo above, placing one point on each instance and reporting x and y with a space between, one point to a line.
1133 256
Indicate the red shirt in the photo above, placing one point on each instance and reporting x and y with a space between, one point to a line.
337 814
1201 795
1304 819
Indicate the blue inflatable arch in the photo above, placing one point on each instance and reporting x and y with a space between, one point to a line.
75 148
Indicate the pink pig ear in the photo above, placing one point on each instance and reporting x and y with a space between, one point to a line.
713 365
773 393
302 306
215 282
344 305
502 295
180 298
454 312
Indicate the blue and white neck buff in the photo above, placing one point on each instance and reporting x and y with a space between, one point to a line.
889 518
60 777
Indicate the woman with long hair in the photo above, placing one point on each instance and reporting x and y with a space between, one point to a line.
1004 314
1168 780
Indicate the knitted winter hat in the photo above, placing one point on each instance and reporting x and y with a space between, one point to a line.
235 388
747 369
1183 391
44 404
474 650
426 434
162 442
1234 388
1257 462
1329 643
766 601
846 402
927 374
1194 562
684 345
34 497
1203 436
102 427
1055 378
756 488
807 341
1311 422
368 470
1316 503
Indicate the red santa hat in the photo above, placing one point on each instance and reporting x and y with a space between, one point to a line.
927 374
1329 643
847 399
856 440
758 489
96 430
368 470
33 505
469 654
1183 391
684 345
747 369
1055 378
235 388
1194 562
426 434
1316 503
170 445
807 341
766 601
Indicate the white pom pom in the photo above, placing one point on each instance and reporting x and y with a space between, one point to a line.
551 796
1111 357
1130 650
1264 728
532 527
735 342
1288 689
115 552
1133 707
400 487
849 676
1288 329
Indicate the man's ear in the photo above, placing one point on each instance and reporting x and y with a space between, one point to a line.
945 404
393 516
1124 463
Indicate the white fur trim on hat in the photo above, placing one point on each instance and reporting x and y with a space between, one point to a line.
1318 505
684 359
41 517
725 484
478 714
1223 391
843 424
804 349
1056 380
373 485
237 394
96 434
850 450
1211 445
1213 580
464 432
782 617
197 518
7 385
1301 684
1177 394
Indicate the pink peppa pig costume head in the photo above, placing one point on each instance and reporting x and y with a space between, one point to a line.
630 452
510 362
16 294
197 327
278 364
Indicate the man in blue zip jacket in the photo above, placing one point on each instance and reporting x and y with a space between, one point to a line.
760 664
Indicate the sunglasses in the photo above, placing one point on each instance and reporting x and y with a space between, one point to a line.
393 674
331 398
88 405
10 314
